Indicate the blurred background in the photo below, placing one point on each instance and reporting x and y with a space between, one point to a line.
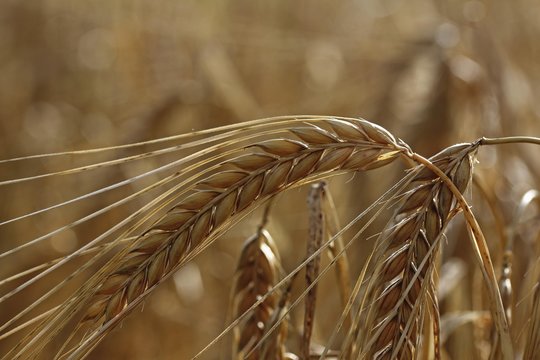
83 74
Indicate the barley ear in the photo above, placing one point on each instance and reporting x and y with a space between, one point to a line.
399 290
256 273
223 197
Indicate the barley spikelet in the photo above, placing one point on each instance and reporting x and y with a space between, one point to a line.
224 195
402 281
256 176
272 344
256 273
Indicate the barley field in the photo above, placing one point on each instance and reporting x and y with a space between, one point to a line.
269 179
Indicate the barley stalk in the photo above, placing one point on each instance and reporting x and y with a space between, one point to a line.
317 230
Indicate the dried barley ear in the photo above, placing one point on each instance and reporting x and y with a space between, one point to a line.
257 272
183 230
276 329
401 287
218 198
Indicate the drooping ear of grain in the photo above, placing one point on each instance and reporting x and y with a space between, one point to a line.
401 287
160 249
256 274
231 191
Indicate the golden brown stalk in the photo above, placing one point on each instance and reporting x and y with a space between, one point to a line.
256 273
315 239
323 221
400 289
